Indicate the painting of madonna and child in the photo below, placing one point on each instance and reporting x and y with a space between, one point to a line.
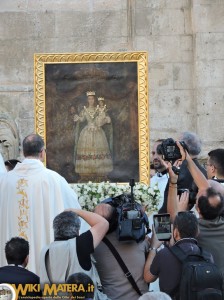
92 121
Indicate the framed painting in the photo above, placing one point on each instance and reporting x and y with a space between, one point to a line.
91 109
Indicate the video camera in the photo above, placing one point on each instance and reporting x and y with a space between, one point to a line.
133 223
169 149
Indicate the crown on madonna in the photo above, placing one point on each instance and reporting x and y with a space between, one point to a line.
90 93
100 98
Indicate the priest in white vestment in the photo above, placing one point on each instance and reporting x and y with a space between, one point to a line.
30 197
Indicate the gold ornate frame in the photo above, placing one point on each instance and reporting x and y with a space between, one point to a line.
141 60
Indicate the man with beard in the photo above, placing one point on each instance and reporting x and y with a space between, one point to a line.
161 176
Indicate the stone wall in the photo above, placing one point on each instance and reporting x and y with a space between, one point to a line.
184 39
208 27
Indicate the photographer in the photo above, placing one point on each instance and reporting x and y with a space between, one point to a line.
209 205
185 180
163 264
114 282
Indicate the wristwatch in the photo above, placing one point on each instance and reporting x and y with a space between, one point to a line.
153 249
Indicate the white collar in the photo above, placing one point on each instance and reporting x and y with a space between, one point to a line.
16 265
158 174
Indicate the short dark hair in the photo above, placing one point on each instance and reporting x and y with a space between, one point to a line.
33 144
16 250
86 281
66 225
193 142
187 224
208 211
216 158
159 140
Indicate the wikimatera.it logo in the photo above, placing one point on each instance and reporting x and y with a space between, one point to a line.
7 292
11 291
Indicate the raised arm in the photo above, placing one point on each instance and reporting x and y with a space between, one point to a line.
99 225
155 244
199 178
172 205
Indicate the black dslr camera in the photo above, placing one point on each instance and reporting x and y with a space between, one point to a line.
133 223
169 150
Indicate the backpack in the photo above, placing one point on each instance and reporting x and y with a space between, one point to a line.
200 279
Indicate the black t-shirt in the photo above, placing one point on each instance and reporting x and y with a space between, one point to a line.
168 268
84 247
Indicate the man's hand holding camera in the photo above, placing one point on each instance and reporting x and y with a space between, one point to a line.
155 243
183 201
183 151
173 154
170 150
176 202
197 175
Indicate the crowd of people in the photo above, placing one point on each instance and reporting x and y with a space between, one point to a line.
47 238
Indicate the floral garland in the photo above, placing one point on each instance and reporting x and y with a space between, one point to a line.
90 194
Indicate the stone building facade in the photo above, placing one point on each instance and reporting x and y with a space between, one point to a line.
184 39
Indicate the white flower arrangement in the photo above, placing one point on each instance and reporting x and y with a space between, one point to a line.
90 194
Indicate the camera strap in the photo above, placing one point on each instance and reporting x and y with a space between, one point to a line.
123 266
